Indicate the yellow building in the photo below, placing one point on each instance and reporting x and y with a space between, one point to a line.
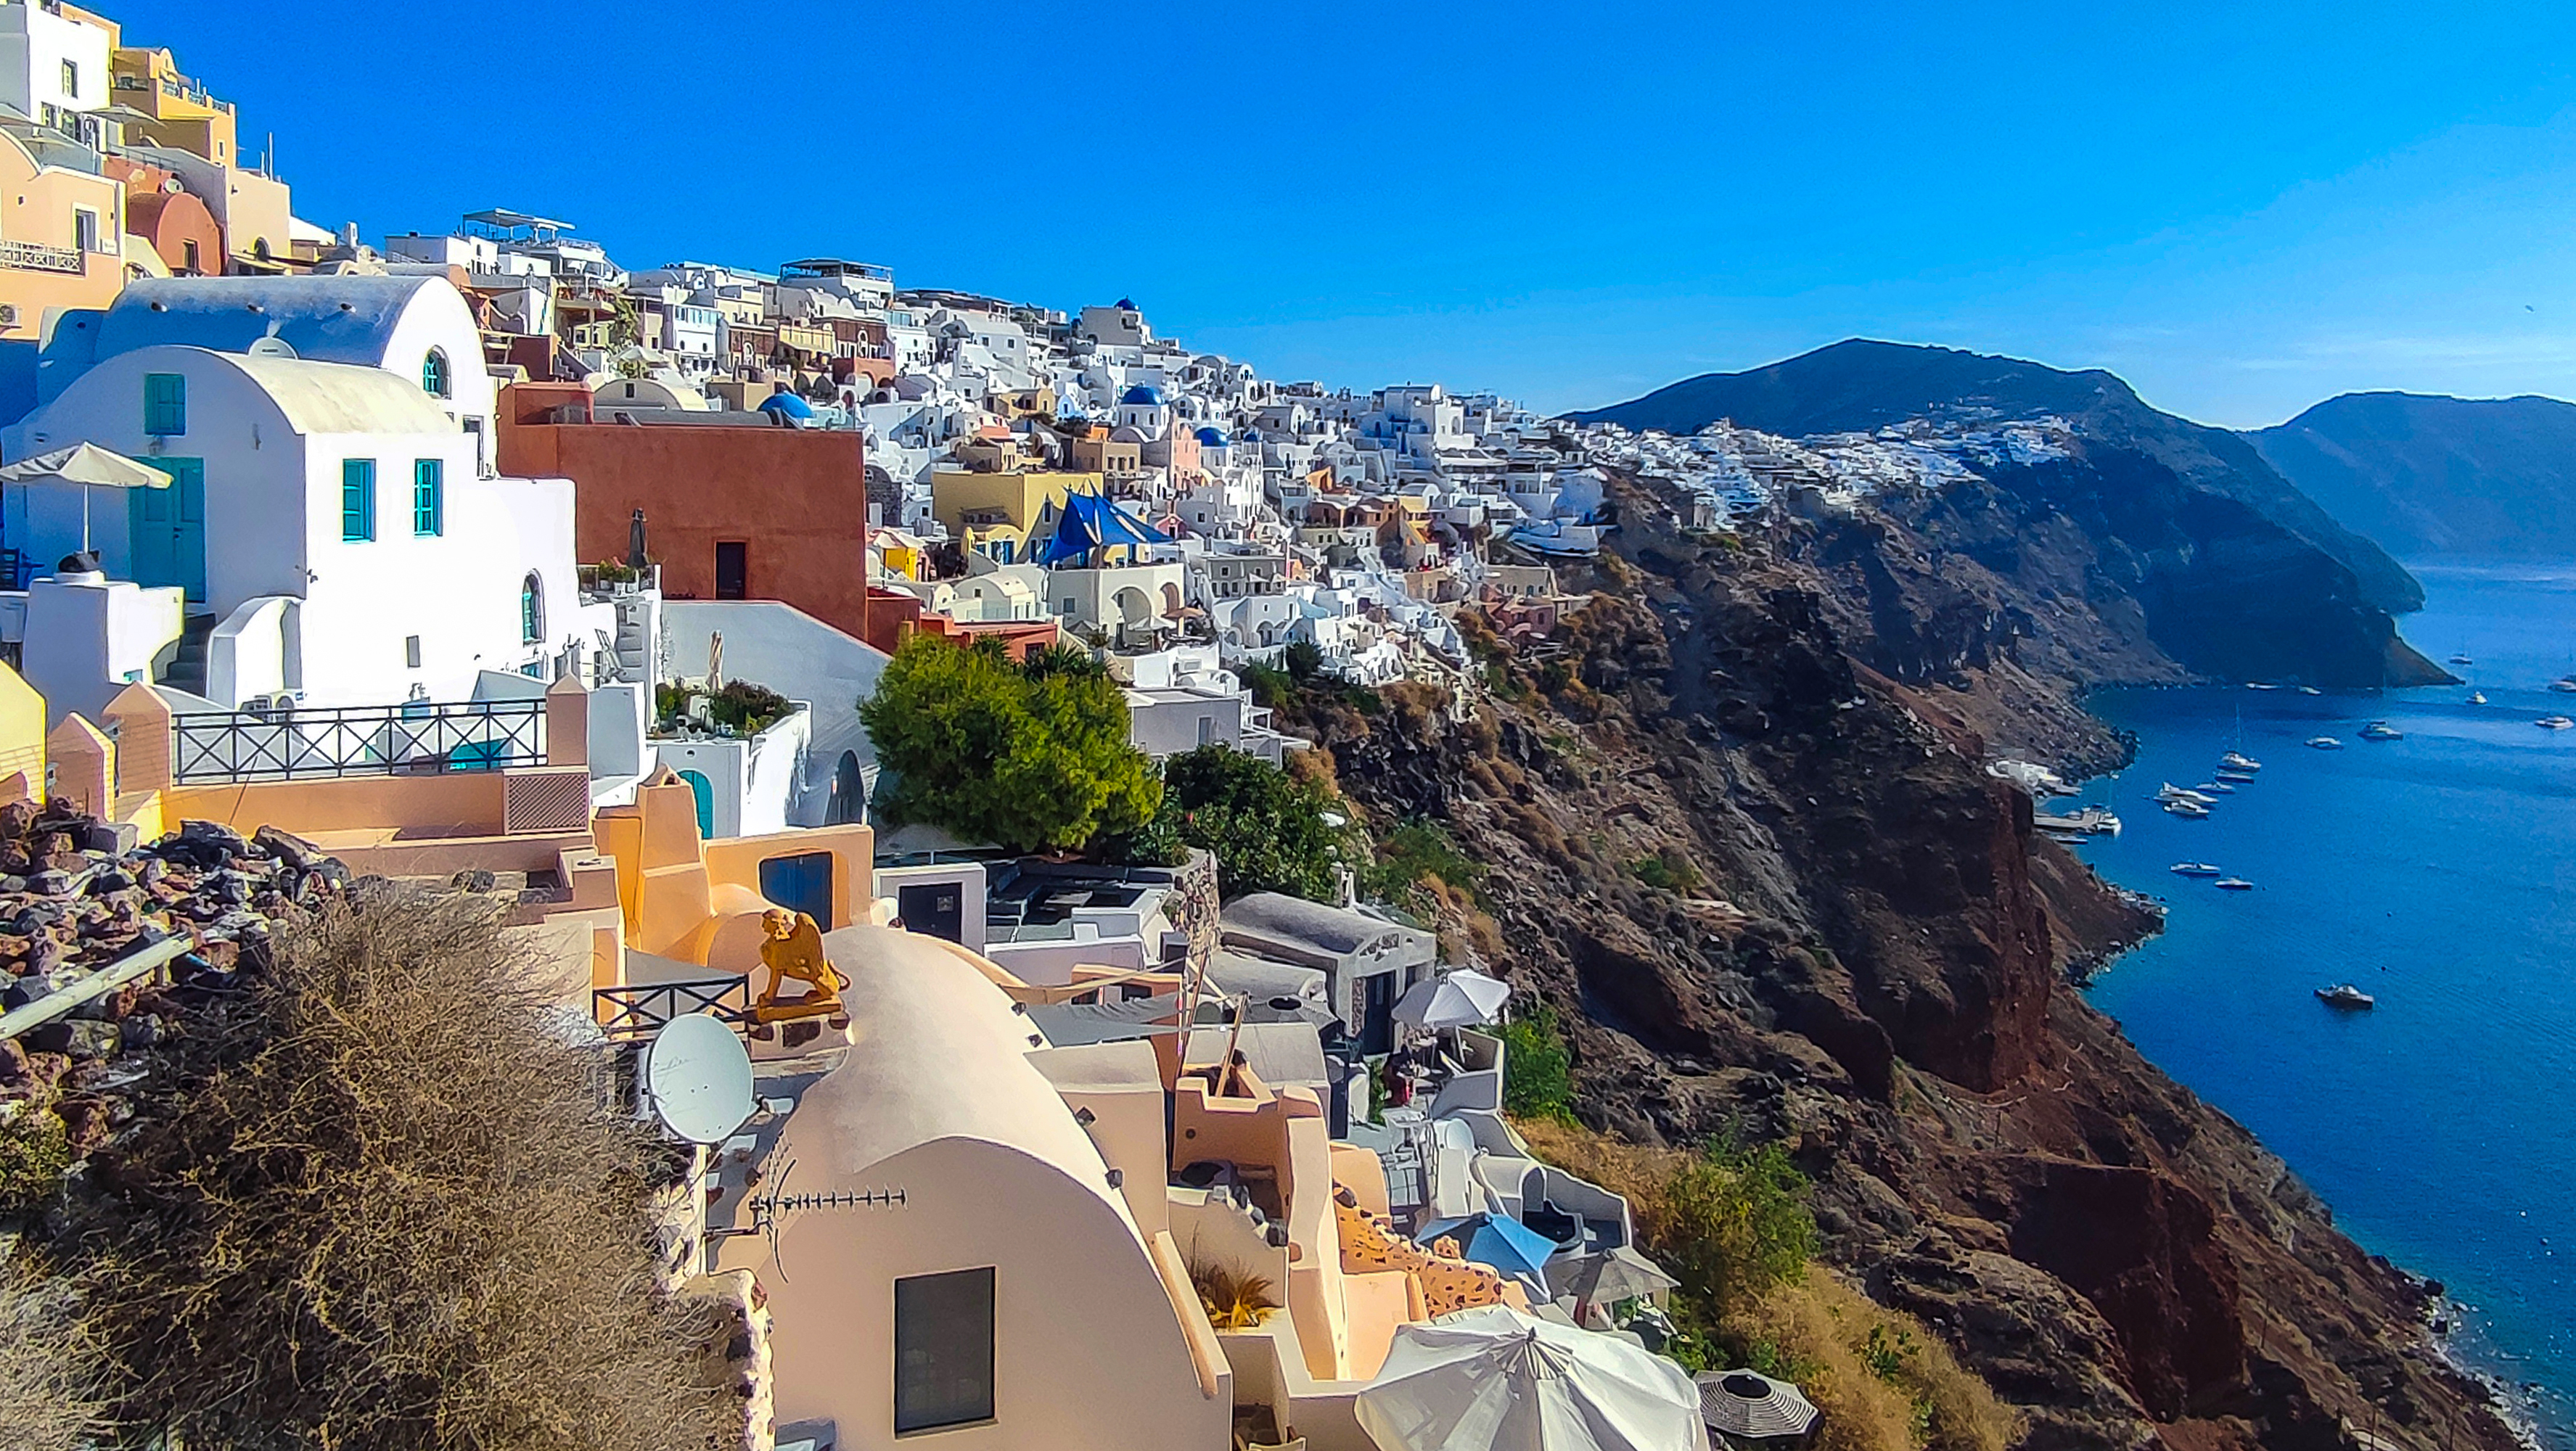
981 508
183 116
62 240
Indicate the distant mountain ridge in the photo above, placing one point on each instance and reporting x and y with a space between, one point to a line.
2222 563
2429 476
1860 384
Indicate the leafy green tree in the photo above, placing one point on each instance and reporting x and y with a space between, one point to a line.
1538 1069
1031 758
1266 828
1735 1223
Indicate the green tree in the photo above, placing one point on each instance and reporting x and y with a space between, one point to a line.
1538 1069
1030 758
1266 828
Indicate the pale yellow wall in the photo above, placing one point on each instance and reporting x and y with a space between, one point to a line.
36 205
956 492
22 737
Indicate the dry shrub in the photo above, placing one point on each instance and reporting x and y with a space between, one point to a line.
379 1205
1635 1172
49 1393
1883 1381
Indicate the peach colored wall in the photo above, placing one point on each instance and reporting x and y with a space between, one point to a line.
466 804
36 206
1088 1354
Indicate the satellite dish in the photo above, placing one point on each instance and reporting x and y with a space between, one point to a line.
270 347
697 1079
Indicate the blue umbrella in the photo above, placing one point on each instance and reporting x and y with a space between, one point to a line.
787 403
1494 1239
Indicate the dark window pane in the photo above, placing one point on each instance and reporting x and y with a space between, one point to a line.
943 1350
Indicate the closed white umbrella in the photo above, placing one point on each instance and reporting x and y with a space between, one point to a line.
1494 1379
1463 999
89 466
1751 1406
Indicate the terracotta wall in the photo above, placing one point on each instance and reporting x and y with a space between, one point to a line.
170 221
796 498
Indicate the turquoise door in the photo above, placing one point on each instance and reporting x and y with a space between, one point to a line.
706 795
169 528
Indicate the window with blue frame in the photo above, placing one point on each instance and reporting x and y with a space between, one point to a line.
433 374
165 404
357 500
428 501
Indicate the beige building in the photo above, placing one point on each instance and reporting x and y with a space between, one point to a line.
979 506
62 235
182 116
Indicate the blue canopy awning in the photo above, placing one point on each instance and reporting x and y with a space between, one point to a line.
1091 522
1494 1239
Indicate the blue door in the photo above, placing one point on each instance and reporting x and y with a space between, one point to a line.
169 528
800 883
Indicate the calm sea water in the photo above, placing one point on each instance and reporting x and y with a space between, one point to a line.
2437 872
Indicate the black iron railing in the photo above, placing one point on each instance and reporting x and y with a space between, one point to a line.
644 1009
419 738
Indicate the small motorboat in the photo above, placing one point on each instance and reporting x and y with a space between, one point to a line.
2187 810
2233 884
2564 685
2215 788
2555 723
2477 697
2380 730
2324 743
2235 777
2310 690
2239 761
2171 792
2345 995
2260 685
2462 659
2194 869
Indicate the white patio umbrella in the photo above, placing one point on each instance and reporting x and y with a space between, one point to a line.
1494 1379
1461 1000
89 466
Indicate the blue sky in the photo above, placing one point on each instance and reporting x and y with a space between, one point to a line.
2241 208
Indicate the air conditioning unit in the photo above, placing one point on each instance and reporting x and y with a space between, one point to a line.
8 314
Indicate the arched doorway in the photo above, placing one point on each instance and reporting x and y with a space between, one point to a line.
706 796
849 795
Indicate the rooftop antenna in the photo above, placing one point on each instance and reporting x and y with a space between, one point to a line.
697 1078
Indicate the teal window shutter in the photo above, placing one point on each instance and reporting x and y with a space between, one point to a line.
165 404
428 507
357 500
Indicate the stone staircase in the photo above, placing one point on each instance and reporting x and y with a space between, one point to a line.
187 667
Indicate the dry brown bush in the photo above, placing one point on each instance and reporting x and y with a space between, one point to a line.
376 1204
49 1392
1883 1381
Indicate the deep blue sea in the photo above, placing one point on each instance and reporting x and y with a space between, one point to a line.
2437 872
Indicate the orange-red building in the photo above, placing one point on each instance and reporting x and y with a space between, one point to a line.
732 511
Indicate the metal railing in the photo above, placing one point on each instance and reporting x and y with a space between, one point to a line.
646 1008
36 257
419 738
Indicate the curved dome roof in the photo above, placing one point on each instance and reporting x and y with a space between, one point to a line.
1211 438
346 319
787 403
1144 395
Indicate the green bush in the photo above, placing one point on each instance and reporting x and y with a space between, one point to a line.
1266 828
1736 1224
1667 870
1030 758
1538 1068
739 706
1414 851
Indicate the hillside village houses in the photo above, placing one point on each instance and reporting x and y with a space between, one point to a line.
429 551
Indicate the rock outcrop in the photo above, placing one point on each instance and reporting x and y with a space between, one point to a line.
1739 829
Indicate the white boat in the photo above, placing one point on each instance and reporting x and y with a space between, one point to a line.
2215 788
2310 690
2345 995
2239 761
2260 685
2325 743
2380 730
2477 697
2187 810
2555 723
2564 685
2169 792
2233 884
2462 659
2194 869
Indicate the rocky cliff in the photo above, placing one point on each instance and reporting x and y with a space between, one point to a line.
1739 828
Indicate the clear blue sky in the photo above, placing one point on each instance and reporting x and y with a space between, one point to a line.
2242 208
